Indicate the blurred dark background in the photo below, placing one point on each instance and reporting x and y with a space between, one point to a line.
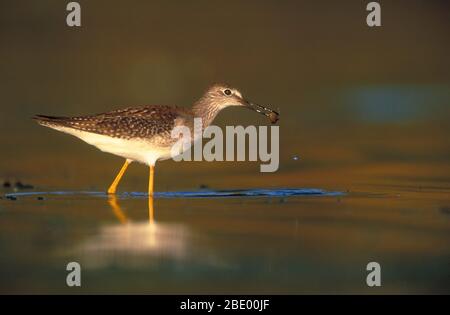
357 104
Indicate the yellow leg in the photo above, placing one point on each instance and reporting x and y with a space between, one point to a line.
150 194
112 189
150 180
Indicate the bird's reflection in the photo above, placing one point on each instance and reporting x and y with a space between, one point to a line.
139 238
117 210
120 214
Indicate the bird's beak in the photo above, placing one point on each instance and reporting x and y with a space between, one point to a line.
273 115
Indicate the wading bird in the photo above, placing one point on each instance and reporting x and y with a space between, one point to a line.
143 134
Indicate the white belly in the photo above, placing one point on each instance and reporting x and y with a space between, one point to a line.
136 150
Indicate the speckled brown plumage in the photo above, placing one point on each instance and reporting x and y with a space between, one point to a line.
144 134
139 122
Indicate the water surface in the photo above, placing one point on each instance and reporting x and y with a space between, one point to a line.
194 242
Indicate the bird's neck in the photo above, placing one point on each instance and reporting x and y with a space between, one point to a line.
207 111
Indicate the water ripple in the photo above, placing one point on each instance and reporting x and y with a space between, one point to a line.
203 193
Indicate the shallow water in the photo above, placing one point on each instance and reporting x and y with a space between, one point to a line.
204 193
359 193
279 241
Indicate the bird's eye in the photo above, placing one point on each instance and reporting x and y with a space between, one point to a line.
227 92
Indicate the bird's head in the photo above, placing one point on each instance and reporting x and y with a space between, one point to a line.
222 96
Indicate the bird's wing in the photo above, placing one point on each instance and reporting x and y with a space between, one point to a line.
141 122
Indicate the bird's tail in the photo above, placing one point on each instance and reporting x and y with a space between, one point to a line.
50 121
